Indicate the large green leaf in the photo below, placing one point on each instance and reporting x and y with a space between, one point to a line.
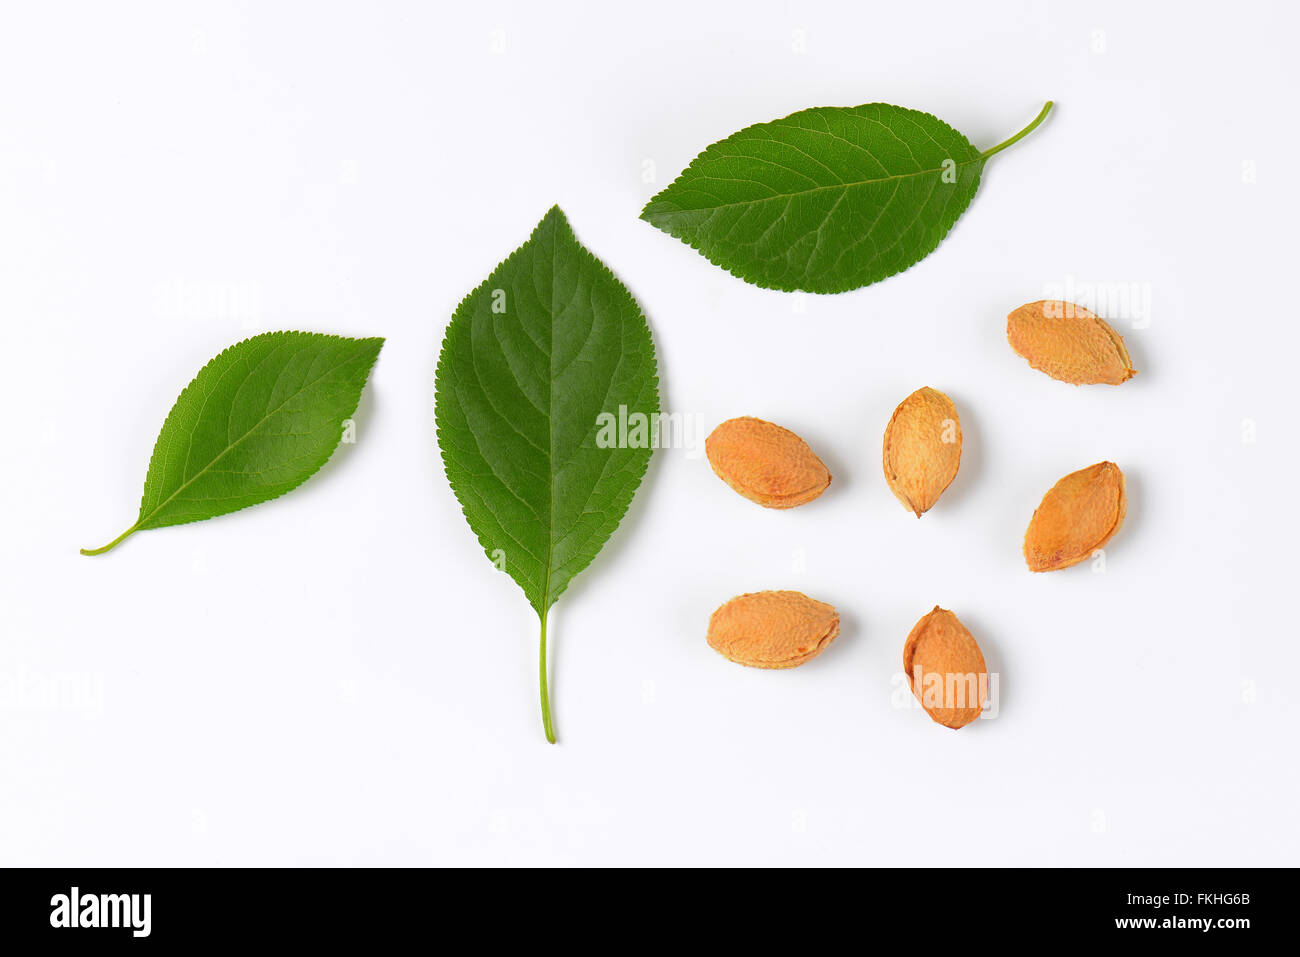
825 200
257 421
534 361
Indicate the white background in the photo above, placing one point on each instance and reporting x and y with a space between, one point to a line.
340 677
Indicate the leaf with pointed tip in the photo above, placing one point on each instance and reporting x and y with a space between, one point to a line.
257 421
825 200
538 364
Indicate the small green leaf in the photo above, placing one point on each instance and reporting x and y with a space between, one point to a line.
257 421
825 200
535 364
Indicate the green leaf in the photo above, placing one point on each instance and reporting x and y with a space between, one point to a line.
257 421
534 363
825 200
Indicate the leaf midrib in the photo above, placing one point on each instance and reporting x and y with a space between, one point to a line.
550 431
815 189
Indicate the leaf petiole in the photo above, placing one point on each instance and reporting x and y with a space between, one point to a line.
541 673
1042 115
113 544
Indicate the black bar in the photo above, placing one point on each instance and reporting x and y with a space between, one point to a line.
946 906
